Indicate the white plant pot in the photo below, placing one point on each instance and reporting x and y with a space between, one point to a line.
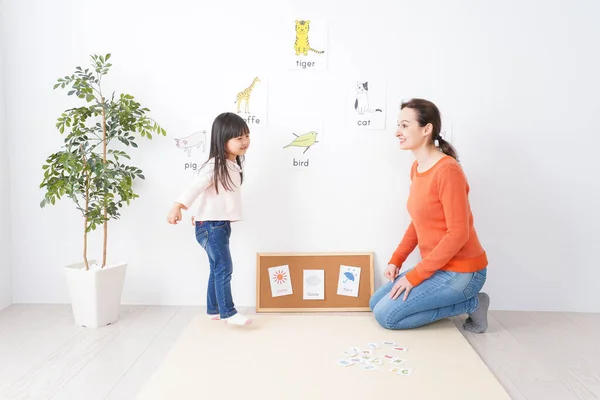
95 293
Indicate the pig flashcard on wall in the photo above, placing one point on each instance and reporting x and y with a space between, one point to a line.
196 142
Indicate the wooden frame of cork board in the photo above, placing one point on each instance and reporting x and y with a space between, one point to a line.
330 263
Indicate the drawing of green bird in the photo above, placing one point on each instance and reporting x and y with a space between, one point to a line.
306 140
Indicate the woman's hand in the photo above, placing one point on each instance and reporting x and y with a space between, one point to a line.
403 285
391 272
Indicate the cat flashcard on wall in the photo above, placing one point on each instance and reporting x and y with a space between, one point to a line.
367 103
361 104
307 48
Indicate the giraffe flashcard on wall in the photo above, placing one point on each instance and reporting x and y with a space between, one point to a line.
307 48
249 95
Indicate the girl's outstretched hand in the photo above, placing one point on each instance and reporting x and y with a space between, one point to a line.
403 285
174 215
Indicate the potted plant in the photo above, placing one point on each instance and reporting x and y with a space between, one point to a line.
89 170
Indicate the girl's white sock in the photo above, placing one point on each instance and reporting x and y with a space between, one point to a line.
214 317
238 319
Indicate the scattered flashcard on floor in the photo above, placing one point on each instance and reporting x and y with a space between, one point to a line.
345 363
400 349
369 367
388 357
365 359
389 343
372 345
401 371
279 277
348 281
314 284
396 361
376 360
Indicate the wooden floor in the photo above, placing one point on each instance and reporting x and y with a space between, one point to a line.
535 355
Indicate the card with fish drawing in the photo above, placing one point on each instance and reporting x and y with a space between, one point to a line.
348 281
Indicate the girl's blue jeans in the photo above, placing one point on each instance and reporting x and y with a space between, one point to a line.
445 294
214 236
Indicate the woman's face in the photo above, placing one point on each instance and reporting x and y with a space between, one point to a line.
411 135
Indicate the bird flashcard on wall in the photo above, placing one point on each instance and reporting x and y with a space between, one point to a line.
280 280
348 281
306 140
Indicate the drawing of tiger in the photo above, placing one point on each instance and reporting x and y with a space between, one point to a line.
301 45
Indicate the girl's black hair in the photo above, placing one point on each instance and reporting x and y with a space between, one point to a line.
225 127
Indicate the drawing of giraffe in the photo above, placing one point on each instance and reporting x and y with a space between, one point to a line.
245 95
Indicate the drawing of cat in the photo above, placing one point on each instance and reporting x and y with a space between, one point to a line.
301 44
361 105
196 139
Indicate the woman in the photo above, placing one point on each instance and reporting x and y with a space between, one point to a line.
454 265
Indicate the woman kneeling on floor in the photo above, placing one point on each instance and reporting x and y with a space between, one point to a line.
448 280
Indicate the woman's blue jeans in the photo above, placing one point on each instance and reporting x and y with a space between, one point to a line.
445 294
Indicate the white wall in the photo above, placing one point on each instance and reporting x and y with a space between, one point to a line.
517 78
5 270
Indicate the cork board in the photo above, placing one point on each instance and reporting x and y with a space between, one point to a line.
288 270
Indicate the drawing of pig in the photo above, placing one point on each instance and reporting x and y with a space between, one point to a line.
196 139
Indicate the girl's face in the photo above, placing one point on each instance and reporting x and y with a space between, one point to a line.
237 146
411 135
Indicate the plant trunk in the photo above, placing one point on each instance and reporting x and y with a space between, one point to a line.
87 203
104 160
85 221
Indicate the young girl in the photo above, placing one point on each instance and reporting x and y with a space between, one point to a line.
216 189
448 279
